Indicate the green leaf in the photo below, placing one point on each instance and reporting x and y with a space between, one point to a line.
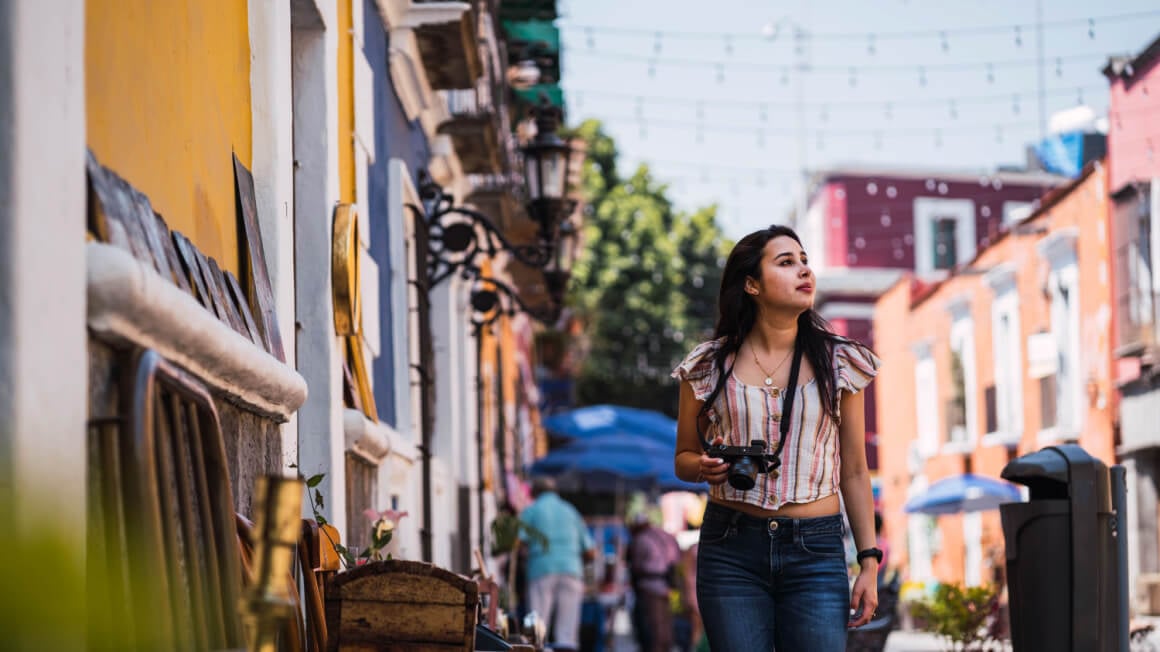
318 498
320 518
315 480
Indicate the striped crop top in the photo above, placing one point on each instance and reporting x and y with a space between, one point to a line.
810 464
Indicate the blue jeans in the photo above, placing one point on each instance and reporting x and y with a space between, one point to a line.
772 583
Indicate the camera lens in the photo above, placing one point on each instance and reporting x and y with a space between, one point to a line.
743 474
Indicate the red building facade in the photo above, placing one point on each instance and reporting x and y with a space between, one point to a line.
872 224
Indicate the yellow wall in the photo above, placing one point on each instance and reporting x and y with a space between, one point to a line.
167 93
346 178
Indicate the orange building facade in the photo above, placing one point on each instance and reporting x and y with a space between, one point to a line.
1010 353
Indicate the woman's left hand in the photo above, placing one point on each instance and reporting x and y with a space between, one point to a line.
864 597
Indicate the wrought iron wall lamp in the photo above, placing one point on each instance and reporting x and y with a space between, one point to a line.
456 235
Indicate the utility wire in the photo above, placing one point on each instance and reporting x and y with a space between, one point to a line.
852 70
796 32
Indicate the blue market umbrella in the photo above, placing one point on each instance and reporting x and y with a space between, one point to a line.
612 420
614 462
963 493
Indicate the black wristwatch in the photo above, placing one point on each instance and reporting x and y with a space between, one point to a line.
870 552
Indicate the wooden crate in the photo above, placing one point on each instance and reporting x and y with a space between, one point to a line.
404 606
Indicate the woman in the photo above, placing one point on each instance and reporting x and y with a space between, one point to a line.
771 568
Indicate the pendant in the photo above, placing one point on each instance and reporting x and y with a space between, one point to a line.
768 381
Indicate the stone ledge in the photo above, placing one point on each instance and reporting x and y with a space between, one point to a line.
130 303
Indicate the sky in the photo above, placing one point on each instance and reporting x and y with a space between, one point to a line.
713 96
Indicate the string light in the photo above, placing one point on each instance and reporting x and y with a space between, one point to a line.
1018 37
943 41
871 49
990 73
729 45
1091 28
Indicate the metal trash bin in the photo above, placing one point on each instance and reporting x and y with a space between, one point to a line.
1065 553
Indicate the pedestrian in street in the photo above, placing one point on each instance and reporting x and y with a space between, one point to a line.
556 571
771 569
653 555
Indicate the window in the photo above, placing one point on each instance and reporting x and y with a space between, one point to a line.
1006 354
990 408
926 401
957 404
1137 273
962 403
944 243
1047 404
1059 248
944 233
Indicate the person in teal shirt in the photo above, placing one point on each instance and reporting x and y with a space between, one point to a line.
556 571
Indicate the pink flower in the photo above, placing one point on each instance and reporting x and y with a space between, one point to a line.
389 515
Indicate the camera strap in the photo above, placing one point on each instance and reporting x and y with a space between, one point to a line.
791 391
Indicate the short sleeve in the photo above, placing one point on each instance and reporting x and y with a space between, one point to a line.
698 369
854 366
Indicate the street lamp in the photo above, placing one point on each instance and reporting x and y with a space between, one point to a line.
546 161
457 235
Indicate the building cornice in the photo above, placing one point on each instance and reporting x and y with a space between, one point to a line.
1000 277
862 282
1059 245
131 303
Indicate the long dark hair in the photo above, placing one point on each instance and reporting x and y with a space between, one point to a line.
737 314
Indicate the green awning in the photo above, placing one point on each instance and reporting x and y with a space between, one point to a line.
531 96
542 33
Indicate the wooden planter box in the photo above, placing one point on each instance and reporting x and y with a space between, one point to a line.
401 605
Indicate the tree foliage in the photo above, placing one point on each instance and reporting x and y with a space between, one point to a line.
645 286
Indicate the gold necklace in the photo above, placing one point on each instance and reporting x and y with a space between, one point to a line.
768 375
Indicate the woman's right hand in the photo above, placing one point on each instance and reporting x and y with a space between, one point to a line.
714 470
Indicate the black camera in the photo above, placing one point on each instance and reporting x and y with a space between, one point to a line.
747 462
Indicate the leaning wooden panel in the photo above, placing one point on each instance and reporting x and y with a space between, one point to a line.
401 605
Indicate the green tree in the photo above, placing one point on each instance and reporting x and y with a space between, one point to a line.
645 286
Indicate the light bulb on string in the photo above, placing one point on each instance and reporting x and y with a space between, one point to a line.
729 45
720 73
1018 36
1015 104
590 38
946 46
764 113
954 111
990 73
652 68
922 76
657 43
1091 28
871 48
1059 66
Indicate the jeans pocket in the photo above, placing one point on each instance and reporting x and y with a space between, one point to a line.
715 531
822 544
